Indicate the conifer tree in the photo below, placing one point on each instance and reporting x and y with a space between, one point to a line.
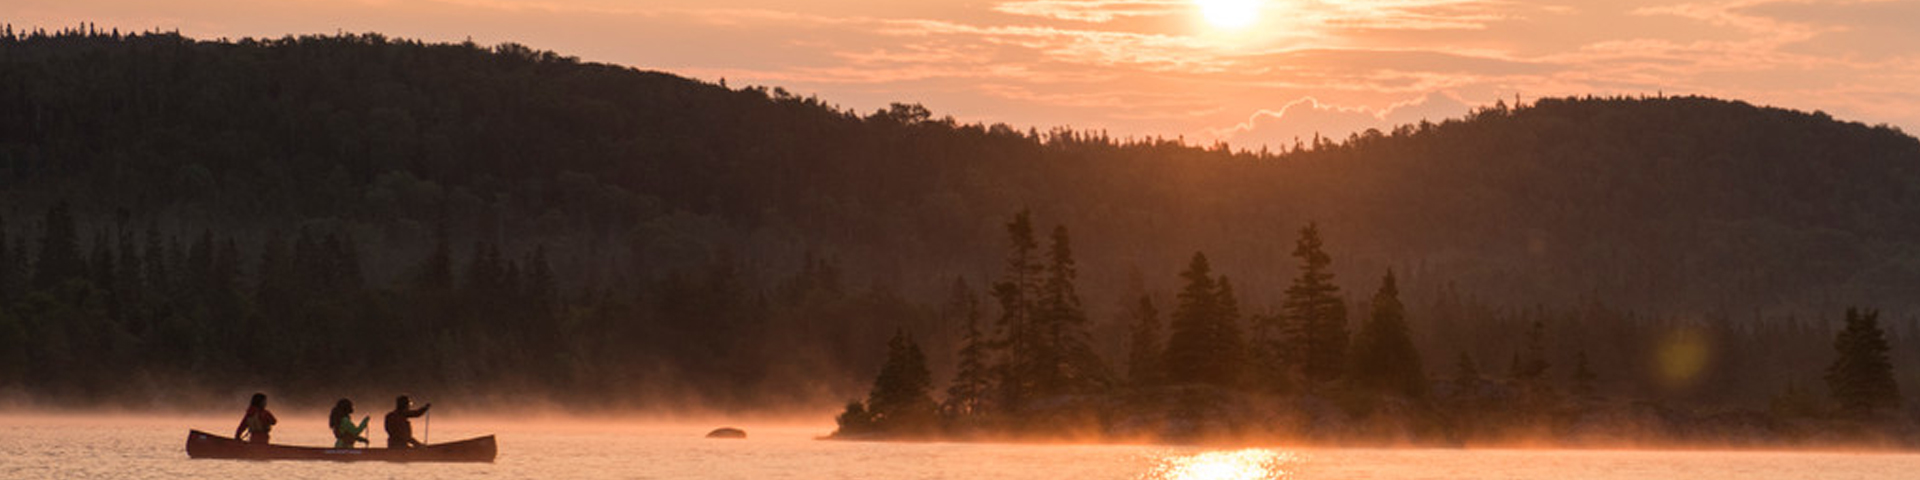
1583 376
1070 364
10 266
154 257
1861 376
101 274
1144 352
435 273
199 269
1199 344
1315 317
1466 376
855 420
127 275
967 396
59 257
1385 359
539 299
1015 339
1533 367
901 400
1226 333
6 264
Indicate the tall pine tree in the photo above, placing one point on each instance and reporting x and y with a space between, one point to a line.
1861 376
1016 340
901 400
967 395
1069 362
1384 357
1144 352
1202 345
1315 317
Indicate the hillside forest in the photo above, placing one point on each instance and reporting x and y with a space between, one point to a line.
184 219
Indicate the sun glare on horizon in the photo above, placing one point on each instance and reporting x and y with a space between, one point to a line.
1229 14
1249 464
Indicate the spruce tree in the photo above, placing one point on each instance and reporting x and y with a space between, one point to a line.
1466 376
1533 367
1583 376
1861 376
1144 352
1069 362
154 259
1385 359
1228 345
967 396
901 400
127 276
1015 340
1198 348
59 257
1315 317
7 268
6 264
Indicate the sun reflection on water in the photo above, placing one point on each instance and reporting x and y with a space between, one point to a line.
1249 464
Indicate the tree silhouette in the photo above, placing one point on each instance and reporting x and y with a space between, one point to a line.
901 400
1145 355
1018 336
1070 364
59 257
1466 375
1316 318
1385 359
1202 342
1860 379
1583 376
967 395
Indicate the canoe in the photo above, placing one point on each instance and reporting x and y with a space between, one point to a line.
206 445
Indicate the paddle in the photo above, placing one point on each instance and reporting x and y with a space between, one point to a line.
426 433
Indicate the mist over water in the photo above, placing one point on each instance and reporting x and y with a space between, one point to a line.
138 447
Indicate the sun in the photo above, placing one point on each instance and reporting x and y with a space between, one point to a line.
1229 14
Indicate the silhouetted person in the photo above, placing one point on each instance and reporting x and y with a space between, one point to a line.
257 423
399 430
341 421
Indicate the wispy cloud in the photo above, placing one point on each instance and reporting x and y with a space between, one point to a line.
1150 67
1097 11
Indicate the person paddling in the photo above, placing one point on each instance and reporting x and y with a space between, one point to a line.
344 431
399 430
256 425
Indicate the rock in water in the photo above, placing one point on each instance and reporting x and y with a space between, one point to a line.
727 432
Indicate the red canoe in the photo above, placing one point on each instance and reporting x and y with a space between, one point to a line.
206 445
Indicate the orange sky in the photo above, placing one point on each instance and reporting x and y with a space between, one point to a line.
1157 67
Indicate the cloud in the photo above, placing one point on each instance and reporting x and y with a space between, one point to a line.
1875 30
1148 67
1094 11
1303 119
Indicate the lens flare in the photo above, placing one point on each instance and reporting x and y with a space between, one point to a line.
1681 356
1249 464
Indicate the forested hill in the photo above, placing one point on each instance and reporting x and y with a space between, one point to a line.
586 209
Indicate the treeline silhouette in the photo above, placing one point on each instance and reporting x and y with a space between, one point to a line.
1305 374
301 212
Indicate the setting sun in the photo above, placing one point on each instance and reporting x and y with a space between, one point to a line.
1229 13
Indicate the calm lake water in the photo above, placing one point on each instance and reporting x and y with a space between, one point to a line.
64 447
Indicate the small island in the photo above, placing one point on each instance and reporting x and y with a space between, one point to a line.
728 433
1300 377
